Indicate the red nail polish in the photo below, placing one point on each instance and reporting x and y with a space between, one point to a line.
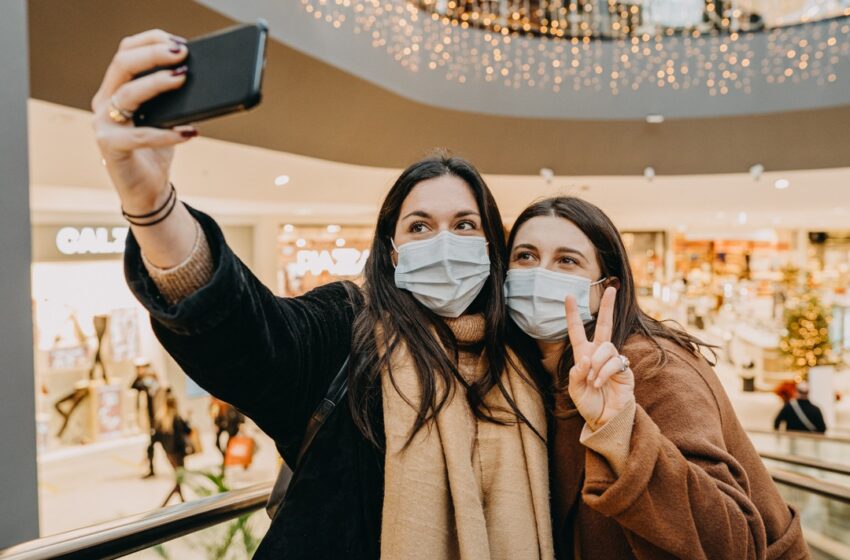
189 133
175 50
180 70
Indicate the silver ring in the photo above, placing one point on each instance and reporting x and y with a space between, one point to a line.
117 114
626 363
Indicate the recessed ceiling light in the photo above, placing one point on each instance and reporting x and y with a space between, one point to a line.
301 242
782 184
281 180
333 228
288 228
655 118
340 242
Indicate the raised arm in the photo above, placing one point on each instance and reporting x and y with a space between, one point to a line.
273 358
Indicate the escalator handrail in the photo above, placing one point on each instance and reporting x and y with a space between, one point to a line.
837 492
124 536
132 534
806 462
801 435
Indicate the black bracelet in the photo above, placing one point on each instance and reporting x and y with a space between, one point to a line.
169 210
171 194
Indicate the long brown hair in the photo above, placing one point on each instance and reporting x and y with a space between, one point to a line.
629 318
403 321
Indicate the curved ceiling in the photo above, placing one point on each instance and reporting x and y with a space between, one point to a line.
750 70
236 183
313 109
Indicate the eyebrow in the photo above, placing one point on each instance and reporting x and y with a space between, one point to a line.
461 214
558 250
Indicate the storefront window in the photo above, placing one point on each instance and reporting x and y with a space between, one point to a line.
102 379
646 254
310 256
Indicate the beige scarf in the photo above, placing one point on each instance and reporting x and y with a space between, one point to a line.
465 488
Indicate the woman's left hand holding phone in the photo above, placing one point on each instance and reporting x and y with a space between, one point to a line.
601 382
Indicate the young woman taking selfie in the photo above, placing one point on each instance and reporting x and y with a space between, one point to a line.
438 449
648 457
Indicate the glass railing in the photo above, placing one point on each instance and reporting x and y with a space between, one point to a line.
825 520
170 532
234 539
812 473
811 446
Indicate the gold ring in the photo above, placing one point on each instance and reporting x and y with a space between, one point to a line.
117 114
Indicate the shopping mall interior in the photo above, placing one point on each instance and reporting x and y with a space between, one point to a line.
716 134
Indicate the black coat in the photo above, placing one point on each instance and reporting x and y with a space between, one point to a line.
274 358
793 423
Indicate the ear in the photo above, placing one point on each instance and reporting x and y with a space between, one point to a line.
613 282
393 253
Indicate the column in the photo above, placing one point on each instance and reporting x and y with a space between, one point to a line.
18 482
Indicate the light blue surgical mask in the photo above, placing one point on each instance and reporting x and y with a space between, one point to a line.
444 273
535 299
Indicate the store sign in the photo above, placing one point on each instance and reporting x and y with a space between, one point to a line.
91 240
339 262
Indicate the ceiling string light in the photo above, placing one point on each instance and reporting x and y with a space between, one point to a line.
668 44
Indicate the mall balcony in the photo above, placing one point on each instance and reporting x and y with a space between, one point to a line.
714 133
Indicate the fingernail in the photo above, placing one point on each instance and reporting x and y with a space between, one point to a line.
190 133
177 39
180 70
178 47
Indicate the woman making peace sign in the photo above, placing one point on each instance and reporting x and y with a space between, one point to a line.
648 459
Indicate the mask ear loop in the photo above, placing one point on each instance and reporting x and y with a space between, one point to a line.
392 242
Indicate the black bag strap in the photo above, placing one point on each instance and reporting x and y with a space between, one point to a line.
335 394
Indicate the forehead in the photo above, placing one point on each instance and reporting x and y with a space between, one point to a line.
441 195
551 232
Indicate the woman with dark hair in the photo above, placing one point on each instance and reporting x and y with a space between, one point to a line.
648 459
439 449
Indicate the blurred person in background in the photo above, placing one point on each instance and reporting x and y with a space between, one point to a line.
800 414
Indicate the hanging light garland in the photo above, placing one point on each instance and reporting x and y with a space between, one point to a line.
616 45
606 19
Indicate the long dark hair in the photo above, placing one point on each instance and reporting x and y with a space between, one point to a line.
403 321
613 262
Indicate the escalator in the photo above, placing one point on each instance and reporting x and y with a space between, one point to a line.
813 474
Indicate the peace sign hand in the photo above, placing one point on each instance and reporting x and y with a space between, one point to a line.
601 384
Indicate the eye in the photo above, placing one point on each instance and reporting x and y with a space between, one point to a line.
418 227
466 225
568 261
524 256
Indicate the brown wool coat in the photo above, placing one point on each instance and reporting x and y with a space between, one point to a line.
693 485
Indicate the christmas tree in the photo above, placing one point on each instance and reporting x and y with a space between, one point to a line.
806 338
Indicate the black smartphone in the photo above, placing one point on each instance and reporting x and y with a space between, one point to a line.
225 76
